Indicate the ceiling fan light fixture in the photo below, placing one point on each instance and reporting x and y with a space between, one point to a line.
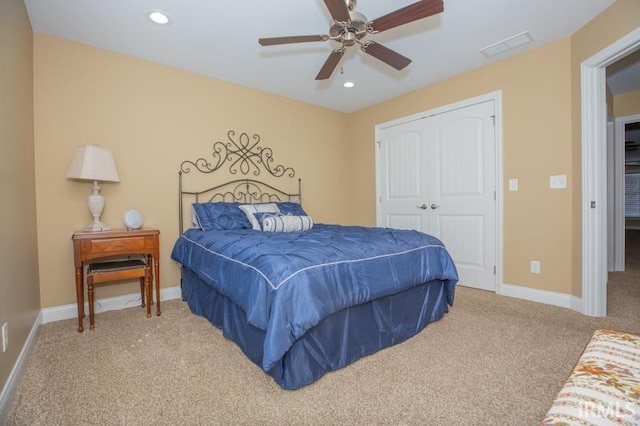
349 27
349 84
159 17
348 39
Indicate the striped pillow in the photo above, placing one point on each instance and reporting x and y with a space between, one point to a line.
284 223
250 210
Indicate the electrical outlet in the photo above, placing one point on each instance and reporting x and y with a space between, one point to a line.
535 266
5 337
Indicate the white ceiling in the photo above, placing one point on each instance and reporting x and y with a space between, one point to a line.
220 39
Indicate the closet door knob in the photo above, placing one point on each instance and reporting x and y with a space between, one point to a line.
434 206
423 207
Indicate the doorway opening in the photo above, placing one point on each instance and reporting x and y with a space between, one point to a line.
594 172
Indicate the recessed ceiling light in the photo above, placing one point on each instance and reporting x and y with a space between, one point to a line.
349 84
159 17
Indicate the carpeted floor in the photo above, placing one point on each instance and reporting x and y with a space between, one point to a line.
490 360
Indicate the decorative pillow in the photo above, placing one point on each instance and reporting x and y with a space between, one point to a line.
194 218
217 216
250 209
261 216
291 207
271 222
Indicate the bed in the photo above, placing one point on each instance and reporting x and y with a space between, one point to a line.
300 299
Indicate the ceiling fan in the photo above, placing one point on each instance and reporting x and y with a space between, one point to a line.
350 27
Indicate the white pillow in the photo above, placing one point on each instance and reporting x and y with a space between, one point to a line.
250 209
286 223
194 218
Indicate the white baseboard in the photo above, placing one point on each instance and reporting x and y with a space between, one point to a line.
542 296
10 387
59 313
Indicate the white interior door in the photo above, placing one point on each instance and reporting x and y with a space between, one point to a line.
404 155
438 176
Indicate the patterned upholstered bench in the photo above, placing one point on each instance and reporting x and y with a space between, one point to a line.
604 387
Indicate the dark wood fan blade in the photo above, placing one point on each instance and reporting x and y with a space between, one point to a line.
294 39
386 55
413 12
330 64
338 10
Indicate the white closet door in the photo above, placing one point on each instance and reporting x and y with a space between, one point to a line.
438 176
403 188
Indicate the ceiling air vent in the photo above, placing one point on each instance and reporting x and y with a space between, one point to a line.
507 44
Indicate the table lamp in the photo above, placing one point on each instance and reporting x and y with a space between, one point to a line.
94 164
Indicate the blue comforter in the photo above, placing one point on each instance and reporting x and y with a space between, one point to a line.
286 283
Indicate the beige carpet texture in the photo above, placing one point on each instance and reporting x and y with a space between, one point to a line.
490 360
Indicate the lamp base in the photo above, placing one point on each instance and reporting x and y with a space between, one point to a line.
96 204
96 226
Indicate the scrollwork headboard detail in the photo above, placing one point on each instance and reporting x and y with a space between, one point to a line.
245 156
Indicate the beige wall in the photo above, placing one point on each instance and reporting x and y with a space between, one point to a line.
19 289
536 144
153 117
616 21
627 104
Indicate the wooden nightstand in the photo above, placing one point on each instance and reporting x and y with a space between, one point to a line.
89 246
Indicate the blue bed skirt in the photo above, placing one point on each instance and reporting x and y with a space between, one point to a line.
337 341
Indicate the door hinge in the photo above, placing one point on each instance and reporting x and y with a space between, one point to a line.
380 199
494 269
493 119
379 144
494 195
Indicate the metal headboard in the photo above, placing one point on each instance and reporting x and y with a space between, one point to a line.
244 156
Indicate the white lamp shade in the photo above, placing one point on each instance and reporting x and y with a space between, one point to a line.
93 163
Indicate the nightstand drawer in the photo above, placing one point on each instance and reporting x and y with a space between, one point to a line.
117 245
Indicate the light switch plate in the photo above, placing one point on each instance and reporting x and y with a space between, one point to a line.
558 182
513 184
